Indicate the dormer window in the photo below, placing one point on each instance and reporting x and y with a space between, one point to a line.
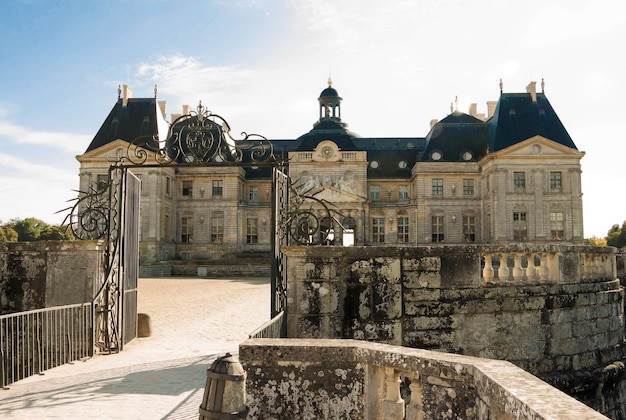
436 155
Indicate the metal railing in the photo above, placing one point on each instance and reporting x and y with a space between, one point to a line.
274 328
34 341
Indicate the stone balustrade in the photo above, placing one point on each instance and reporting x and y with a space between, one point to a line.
314 379
547 264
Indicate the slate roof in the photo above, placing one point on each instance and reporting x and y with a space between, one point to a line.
137 118
518 118
454 135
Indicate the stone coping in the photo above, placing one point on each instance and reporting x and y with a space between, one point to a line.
505 386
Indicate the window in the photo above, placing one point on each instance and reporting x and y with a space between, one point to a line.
557 232
519 181
217 227
374 192
186 230
468 187
403 230
403 192
218 186
437 186
101 182
253 193
556 182
187 188
520 227
252 230
469 229
437 228
378 229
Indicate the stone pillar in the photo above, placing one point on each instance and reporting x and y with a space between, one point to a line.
415 409
393 404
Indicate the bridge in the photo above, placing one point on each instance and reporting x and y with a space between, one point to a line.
156 377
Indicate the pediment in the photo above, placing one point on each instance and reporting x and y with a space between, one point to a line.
334 195
539 147
113 152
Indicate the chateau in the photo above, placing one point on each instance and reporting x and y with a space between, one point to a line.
508 176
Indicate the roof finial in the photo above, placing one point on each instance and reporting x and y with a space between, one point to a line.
119 91
330 81
501 86
456 103
543 86
155 90
451 107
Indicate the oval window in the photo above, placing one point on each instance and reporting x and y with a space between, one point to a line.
374 164
435 155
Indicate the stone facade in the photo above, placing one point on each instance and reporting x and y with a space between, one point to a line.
565 325
512 175
35 275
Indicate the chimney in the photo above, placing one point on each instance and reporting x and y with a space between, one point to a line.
532 89
174 117
433 122
127 94
162 108
491 108
472 110
186 109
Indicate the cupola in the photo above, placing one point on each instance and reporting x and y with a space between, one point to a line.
330 103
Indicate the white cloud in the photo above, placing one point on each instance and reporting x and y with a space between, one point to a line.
72 143
31 190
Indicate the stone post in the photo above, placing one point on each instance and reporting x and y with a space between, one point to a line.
393 404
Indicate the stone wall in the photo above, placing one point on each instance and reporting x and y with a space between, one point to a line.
569 319
328 379
35 275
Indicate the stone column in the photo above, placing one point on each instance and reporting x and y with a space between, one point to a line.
393 404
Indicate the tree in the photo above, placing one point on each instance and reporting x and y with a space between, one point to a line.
56 233
32 229
595 241
7 234
617 236
28 229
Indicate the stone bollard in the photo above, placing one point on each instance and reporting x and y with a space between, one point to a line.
225 390
144 325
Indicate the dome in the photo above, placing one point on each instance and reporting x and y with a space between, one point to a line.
329 91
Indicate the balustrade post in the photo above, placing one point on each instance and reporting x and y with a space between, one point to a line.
531 271
488 273
503 270
544 271
518 272
415 408
393 404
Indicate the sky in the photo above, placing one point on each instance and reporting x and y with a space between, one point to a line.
261 64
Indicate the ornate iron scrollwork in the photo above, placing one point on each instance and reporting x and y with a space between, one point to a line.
305 219
201 138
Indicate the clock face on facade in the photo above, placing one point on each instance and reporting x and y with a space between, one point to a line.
327 151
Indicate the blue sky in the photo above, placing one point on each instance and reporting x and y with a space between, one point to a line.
262 64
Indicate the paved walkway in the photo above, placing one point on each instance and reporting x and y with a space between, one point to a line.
158 377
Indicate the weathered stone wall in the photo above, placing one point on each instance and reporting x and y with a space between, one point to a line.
35 275
563 328
347 379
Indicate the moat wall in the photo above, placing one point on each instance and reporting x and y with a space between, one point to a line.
563 321
42 274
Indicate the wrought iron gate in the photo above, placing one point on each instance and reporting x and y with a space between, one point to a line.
110 211
280 237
